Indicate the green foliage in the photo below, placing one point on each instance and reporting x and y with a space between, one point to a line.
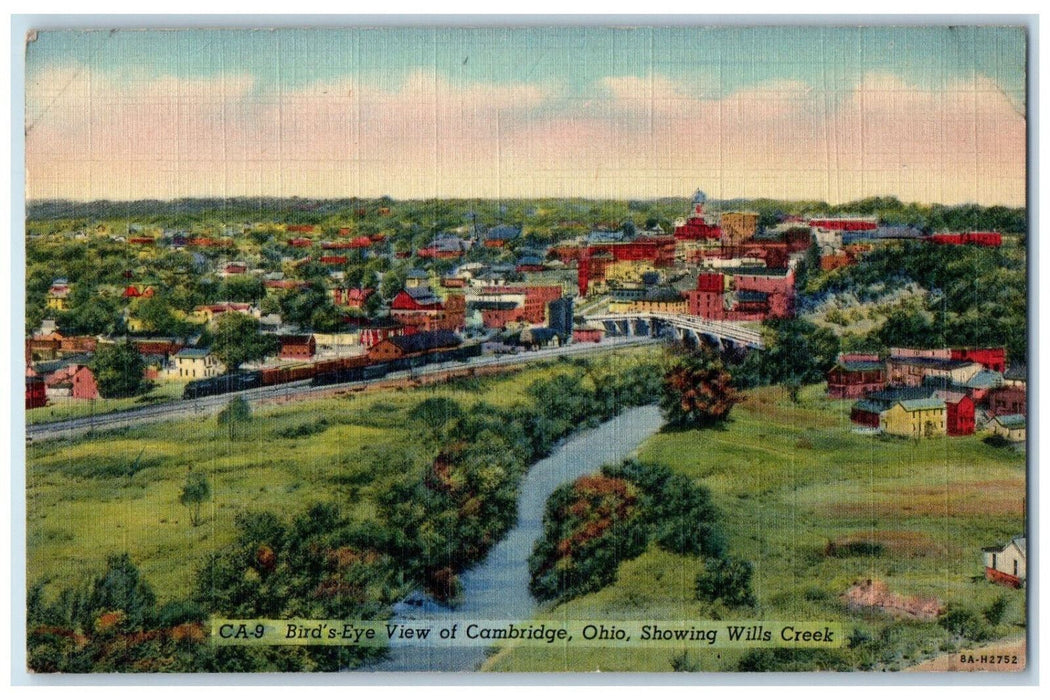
236 340
599 521
118 370
726 579
785 659
963 622
996 610
975 296
589 527
194 493
681 517
697 391
797 352
435 413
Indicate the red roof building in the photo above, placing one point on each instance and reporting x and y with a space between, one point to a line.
960 413
353 298
991 358
988 239
84 385
36 393
296 347
743 294
855 376
1008 400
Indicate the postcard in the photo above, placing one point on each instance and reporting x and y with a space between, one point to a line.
686 348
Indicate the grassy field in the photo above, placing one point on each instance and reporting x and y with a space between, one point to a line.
119 492
63 408
789 479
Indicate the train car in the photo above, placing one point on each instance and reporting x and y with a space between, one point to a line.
223 384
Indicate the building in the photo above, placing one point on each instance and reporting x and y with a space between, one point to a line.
58 295
587 334
1011 427
296 347
743 294
36 393
738 226
856 375
696 228
910 371
195 363
499 236
1007 400
867 414
993 359
419 307
352 298
210 312
915 418
402 346
960 412
1007 564
560 317
987 239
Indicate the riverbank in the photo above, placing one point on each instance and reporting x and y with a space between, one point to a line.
789 478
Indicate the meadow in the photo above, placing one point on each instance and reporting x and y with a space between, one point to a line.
794 485
118 491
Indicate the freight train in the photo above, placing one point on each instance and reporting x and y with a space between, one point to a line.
346 369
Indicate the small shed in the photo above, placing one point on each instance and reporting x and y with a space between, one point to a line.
1007 564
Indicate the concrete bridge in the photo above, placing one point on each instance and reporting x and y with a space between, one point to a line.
699 331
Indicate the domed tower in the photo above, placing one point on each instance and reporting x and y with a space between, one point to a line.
699 199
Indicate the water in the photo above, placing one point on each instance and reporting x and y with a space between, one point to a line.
498 588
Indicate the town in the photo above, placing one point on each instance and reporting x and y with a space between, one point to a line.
206 309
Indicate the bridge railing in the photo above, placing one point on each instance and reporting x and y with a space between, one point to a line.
722 329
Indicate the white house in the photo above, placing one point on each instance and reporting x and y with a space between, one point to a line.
1007 564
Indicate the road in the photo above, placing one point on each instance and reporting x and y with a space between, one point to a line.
211 405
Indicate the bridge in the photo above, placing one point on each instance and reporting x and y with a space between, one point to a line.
682 327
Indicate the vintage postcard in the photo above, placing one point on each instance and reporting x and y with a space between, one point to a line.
689 348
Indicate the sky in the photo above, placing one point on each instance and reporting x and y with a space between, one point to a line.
928 114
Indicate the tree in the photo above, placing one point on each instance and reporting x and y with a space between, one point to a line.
698 391
195 491
237 412
237 340
118 370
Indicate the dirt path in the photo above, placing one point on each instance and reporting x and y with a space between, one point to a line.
1007 655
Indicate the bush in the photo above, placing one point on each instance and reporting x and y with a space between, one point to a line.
726 579
994 613
963 622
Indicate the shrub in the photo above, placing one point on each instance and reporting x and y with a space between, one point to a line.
996 610
726 579
963 622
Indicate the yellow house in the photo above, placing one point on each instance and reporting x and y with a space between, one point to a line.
195 363
915 418
58 295
1012 427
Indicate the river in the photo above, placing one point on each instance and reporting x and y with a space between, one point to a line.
498 588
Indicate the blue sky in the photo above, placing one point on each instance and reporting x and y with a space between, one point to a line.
736 57
575 91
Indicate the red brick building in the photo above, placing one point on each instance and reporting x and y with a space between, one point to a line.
36 393
1011 399
84 385
988 239
991 358
296 347
960 412
854 376
744 294
419 307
